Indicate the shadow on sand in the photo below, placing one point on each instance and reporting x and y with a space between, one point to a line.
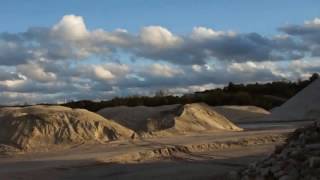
184 169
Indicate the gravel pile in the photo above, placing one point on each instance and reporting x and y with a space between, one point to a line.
298 158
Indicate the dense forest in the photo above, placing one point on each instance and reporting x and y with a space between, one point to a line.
267 95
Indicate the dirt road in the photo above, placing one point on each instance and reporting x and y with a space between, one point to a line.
193 156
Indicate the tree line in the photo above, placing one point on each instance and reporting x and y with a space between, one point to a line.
265 95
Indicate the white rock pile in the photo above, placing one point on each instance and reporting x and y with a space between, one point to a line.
298 158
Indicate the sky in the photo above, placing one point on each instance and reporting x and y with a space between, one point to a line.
52 51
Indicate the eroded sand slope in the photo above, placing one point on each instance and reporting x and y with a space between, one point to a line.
169 119
38 127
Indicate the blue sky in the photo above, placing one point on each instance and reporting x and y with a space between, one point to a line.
179 15
82 49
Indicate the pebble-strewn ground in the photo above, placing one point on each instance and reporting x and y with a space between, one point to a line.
298 158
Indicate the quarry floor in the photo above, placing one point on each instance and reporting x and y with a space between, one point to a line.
192 156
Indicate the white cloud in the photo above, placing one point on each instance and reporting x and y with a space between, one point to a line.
196 68
35 72
71 27
70 39
252 68
120 70
158 37
304 68
163 70
12 83
193 88
109 73
314 22
305 64
42 64
201 68
202 33
102 73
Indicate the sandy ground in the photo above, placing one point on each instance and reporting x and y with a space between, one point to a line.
194 156
196 166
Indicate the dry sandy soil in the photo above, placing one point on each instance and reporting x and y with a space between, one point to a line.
193 156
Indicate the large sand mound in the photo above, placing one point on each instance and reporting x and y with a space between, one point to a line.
169 118
303 106
37 127
240 114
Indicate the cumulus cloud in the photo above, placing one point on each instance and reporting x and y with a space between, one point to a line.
163 70
8 75
107 72
12 51
158 37
35 72
203 33
102 73
308 33
68 60
70 39
204 44
258 71
71 27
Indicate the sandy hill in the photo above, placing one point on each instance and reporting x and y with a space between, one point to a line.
169 118
38 127
238 114
304 105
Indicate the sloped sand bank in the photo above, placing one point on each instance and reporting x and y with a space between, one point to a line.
169 119
239 114
303 106
40 127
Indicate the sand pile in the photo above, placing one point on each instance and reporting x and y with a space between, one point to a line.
198 117
240 114
169 118
142 118
303 106
38 127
